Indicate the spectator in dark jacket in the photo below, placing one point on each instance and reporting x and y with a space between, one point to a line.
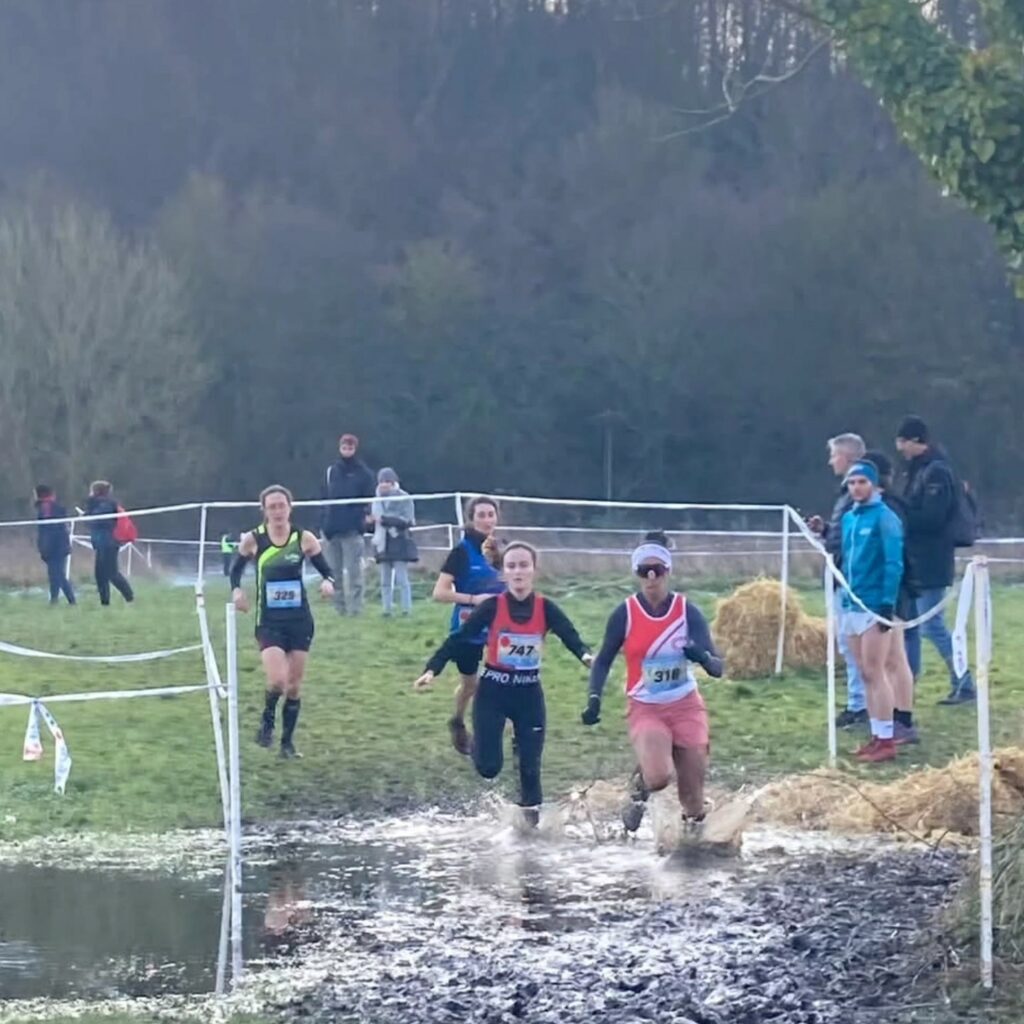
343 526
844 451
101 502
931 502
54 543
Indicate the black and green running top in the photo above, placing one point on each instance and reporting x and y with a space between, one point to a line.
281 594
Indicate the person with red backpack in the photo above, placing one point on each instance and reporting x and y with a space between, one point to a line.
107 537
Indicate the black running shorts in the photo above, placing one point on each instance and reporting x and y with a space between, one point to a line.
468 657
288 636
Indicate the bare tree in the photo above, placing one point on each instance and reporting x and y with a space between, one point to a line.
100 370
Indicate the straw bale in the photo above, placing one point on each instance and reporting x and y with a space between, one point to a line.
746 630
929 802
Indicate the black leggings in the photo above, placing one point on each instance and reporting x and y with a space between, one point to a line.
495 704
108 573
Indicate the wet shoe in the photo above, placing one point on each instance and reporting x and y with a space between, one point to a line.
633 812
265 734
288 751
531 816
693 825
461 739
904 734
883 750
847 719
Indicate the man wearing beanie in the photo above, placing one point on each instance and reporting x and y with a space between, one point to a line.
873 567
343 526
931 504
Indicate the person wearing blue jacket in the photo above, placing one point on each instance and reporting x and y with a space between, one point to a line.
54 543
873 567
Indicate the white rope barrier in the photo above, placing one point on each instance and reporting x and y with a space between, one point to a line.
101 659
13 699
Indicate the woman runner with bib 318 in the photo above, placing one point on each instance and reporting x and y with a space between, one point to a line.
663 636
284 622
510 688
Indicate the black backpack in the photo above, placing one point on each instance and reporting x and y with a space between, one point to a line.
965 519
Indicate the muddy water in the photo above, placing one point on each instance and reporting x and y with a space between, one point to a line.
439 917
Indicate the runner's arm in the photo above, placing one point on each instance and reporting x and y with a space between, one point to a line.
455 565
614 638
560 624
246 550
701 648
480 620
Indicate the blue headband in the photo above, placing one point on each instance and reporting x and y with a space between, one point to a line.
865 469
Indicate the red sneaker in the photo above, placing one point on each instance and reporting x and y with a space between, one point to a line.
867 748
884 750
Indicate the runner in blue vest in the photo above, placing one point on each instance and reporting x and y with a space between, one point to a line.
470 574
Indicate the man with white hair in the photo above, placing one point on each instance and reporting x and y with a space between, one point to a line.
844 451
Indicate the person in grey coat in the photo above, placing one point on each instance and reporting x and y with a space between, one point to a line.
393 515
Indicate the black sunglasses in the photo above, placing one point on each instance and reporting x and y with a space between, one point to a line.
644 571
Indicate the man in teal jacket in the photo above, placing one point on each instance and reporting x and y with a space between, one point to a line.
873 566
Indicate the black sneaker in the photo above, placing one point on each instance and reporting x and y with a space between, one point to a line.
288 751
265 734
461 739
847 719
531 815
633 812
959 696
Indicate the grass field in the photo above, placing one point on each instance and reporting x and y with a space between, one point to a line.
370 742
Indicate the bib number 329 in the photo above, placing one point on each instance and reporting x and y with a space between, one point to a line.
284 594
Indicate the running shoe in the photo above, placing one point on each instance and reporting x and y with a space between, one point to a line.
693 825
904 734
461 739
633 812
531 815
288 751
883 750
847 719
869 746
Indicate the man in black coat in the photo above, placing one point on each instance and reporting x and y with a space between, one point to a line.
343 526
54 543
930 496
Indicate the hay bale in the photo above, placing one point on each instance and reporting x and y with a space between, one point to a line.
746 630
929 802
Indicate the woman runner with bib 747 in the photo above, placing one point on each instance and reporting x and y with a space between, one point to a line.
284 621
663 636
510 689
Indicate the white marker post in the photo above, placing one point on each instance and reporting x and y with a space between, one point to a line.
830 619
780 648
234 775
983 648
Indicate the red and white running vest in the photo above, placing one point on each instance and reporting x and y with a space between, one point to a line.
515 650
657 671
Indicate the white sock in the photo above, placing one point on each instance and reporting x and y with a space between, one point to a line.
881 729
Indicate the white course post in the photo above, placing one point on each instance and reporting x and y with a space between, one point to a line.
234 776
983 648
780 647
830 618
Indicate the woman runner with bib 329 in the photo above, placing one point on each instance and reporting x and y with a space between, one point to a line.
284 622
510 687
663 636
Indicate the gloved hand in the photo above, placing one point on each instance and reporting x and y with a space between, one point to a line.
887 612
695 654
592 714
